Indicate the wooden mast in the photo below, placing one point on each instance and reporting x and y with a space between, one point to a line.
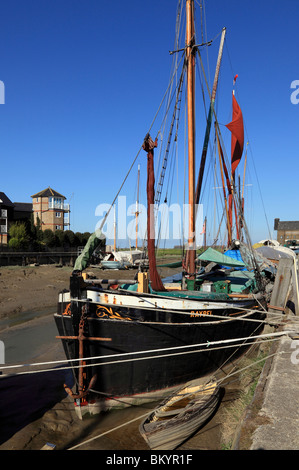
137 207
208 128
191 126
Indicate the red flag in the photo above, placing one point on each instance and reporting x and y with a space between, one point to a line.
237 129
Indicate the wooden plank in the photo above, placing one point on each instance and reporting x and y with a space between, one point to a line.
282 284
142 282
295 285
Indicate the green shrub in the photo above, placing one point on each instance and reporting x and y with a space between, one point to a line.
19 239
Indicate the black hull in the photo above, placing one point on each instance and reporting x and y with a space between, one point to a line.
156 367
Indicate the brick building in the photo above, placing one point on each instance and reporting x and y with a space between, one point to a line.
286 231
6 216
49 207
11 212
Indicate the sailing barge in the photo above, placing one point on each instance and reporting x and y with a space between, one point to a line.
134 342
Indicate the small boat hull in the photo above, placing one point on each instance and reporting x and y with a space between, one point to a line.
179 416
112 265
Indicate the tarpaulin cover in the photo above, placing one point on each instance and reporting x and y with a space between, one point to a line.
274 252
96 239
219 258
235 254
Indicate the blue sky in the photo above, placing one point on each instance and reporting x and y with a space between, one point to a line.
83 80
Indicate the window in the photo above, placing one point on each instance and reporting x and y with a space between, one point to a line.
3 225
57 227
55 202
58 214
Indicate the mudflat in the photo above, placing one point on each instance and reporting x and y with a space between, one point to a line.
35 409
24 288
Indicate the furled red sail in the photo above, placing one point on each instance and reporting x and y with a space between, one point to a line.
237 140
148 146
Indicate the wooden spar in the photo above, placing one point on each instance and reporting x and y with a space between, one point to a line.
191 125
209 121
114 223
242 197
148 146
245 163
137 204
240 215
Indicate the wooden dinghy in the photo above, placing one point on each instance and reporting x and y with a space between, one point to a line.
181 414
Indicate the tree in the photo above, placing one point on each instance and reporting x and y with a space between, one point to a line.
78 235
85 237
19 239
69 237
60 237
49 238
38 229
77 241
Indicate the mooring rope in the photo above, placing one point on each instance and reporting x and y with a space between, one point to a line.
208 346
148 412
107 432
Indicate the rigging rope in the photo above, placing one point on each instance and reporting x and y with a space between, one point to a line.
134 161
252 159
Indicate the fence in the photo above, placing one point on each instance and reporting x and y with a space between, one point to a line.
24 258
